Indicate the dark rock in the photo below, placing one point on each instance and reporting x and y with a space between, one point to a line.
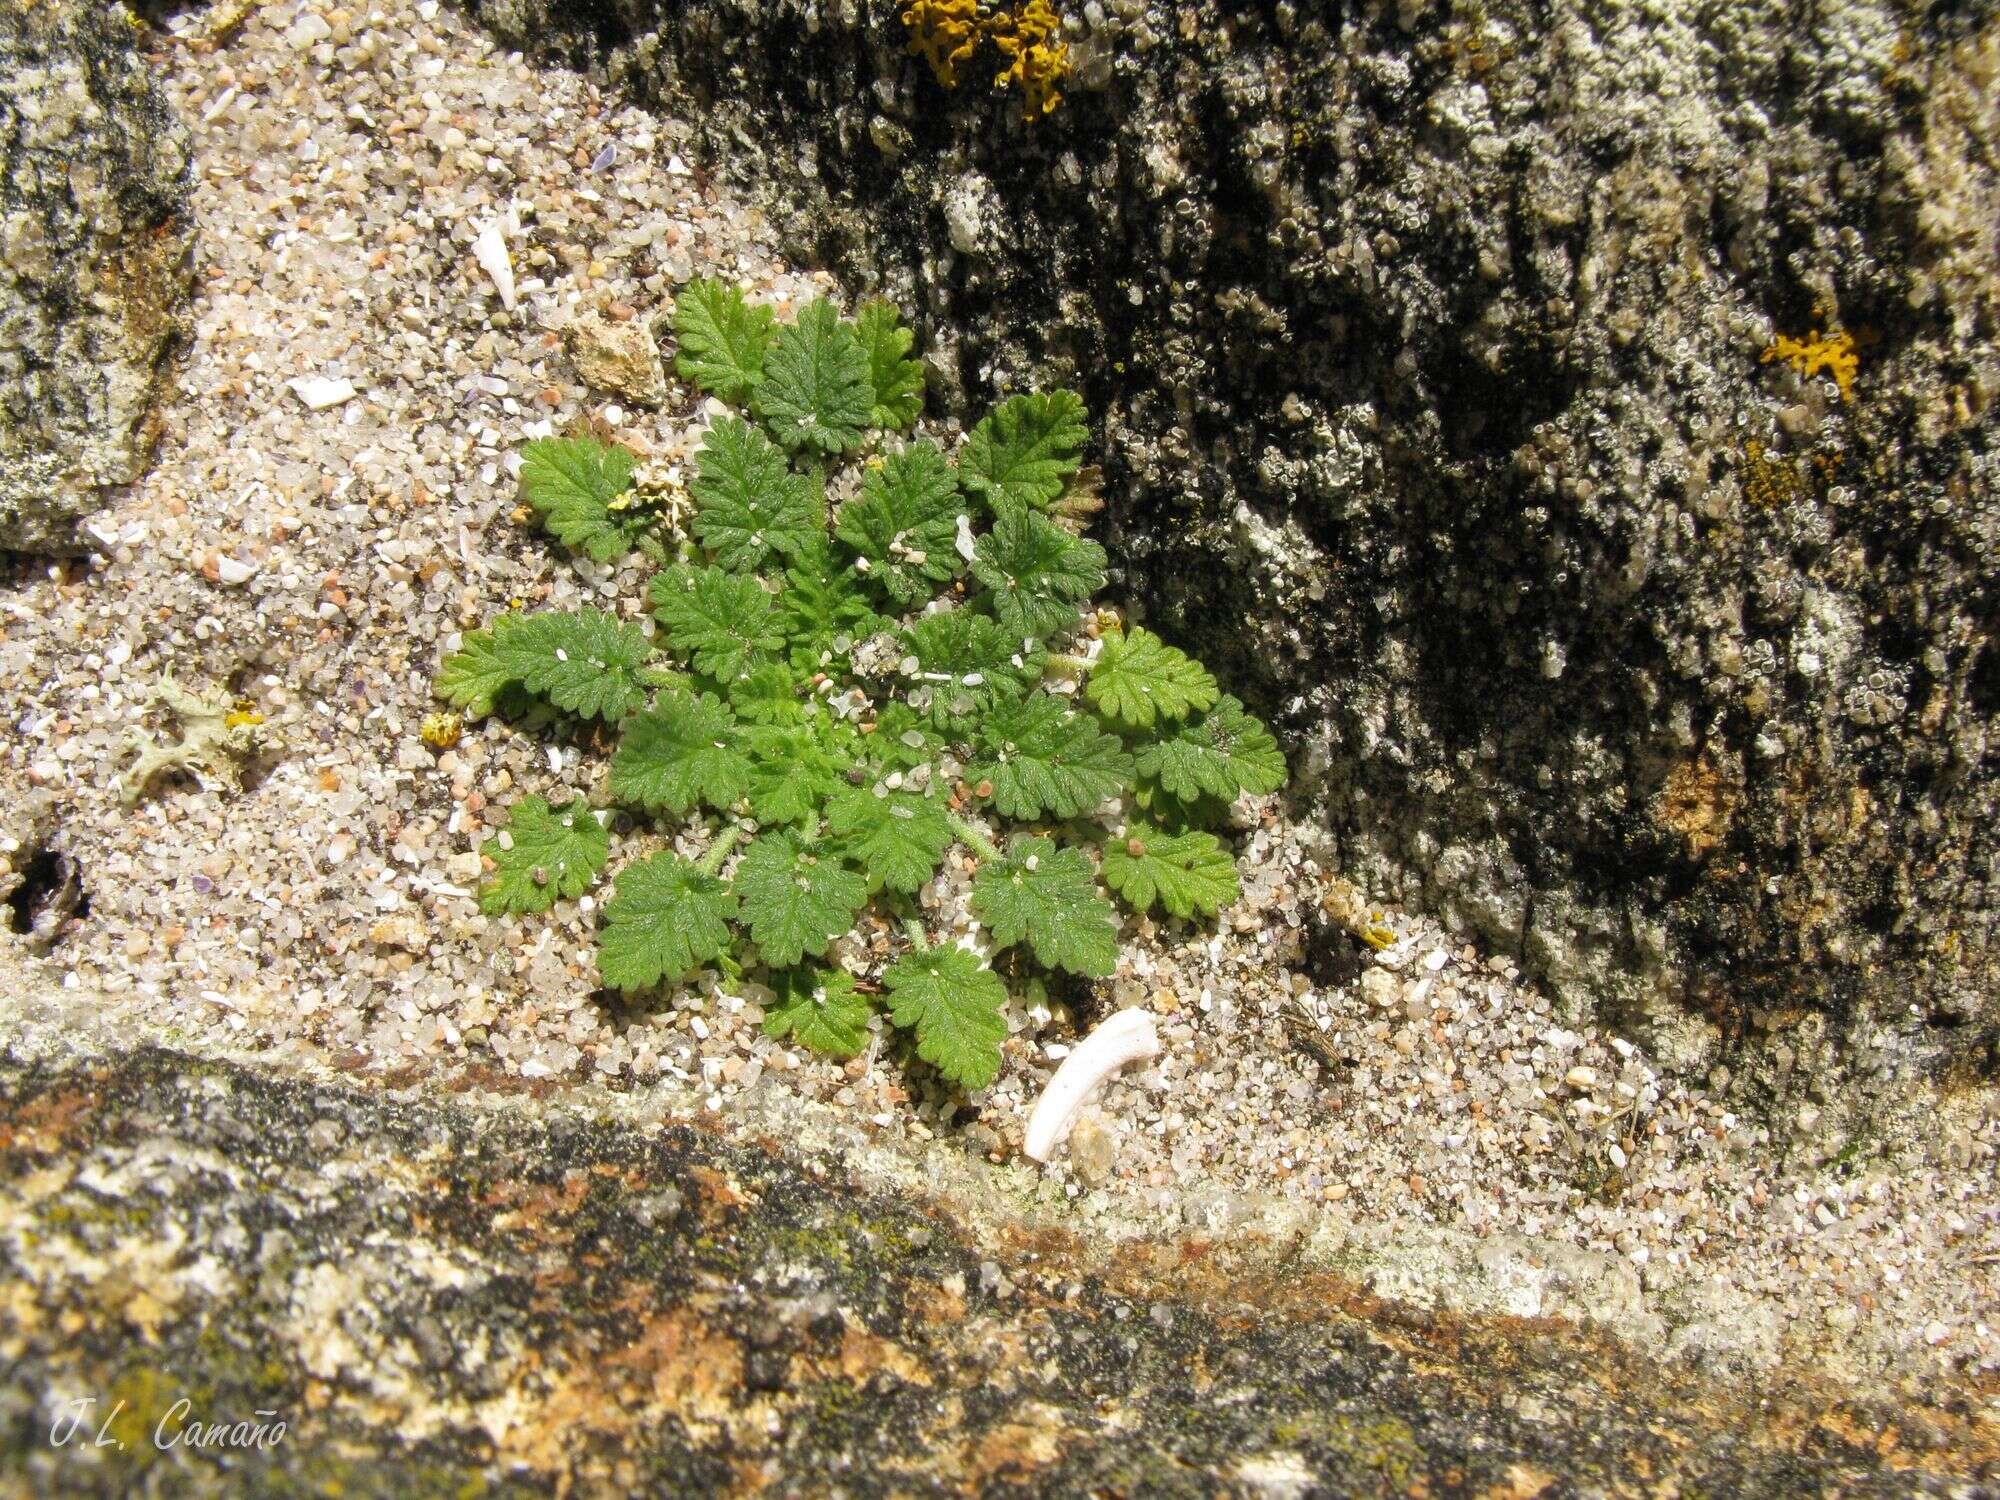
95 235
1428 343
470 1303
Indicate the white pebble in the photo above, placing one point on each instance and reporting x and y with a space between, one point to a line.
320 391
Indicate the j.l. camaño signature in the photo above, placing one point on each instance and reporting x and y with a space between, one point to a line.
78 1423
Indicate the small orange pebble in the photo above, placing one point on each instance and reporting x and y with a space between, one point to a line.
329 780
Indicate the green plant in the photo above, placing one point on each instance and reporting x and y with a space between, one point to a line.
847 690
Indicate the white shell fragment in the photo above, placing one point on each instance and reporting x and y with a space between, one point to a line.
967 548
1126 1037
320 391
490 250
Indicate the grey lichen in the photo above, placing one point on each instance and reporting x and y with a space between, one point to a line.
217 736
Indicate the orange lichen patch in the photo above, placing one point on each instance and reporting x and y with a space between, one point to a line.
1816 353
1697 803
694 1370
1014 1450
1769 482
864 1355
930 1302
717 1194
944 33
1038 63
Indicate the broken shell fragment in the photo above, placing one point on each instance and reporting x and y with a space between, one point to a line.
1126 1037
490 250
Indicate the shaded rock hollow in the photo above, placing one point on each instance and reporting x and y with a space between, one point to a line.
1430 345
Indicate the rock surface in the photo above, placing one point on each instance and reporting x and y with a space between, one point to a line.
95 241
1434 341
407 1298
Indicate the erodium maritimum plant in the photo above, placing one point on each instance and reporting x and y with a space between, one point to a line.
832 696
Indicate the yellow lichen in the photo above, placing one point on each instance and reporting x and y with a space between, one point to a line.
1832 353
944 33
1038 62
441 731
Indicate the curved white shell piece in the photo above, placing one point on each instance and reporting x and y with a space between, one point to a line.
1125 1037
490 250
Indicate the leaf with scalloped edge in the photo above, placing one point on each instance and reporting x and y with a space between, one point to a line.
817 392
1138 679
718 620
904 523
573 485
820 606
1044 893
792 773
970 663
665 919
1042 760
1220 754
586 663
749 505
685 749
897 837
767 694
724 340
1184 872
544 855
897 381
1038 574
797 896
1024 450
952 1001
821 1009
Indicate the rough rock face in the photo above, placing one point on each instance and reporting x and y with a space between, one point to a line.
265 1287
94 261
1432 339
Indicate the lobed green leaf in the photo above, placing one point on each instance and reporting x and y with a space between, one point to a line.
575 486
905 523
1038 574
1043 760
1043 893
817 391
792 773
719 621
821 606
1185 872
750 506
897 837
1139 679
970 663
952 1001
1024 450
586 663
821 1008
724 341
797 897
686 749
544 855
1221 754
666 918
897 382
